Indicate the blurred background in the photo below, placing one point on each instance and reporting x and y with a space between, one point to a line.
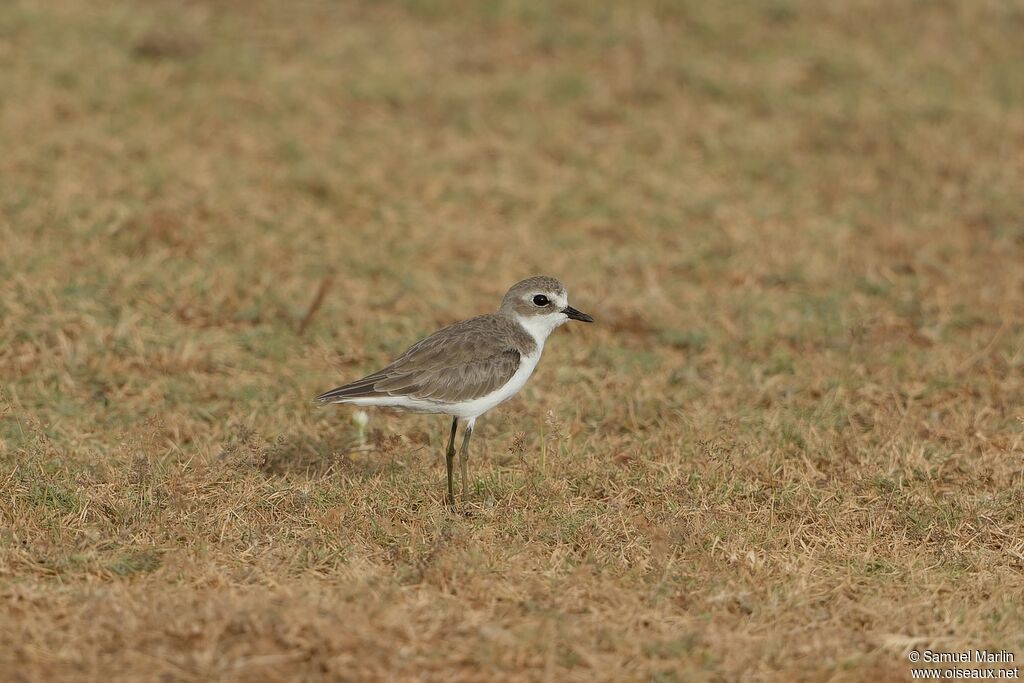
799 225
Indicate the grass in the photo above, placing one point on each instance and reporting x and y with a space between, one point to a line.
790 448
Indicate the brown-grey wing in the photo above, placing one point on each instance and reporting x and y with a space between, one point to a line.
450 382
458 363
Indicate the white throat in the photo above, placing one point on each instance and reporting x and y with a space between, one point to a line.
540 326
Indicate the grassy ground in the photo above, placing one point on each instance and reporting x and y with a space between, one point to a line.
790 448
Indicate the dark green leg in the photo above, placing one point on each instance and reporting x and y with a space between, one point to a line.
449 457
464 457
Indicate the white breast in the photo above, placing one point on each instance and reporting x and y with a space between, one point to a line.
479 406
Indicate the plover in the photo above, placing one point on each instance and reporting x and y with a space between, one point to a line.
467 368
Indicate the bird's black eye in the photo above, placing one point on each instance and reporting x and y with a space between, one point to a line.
540 300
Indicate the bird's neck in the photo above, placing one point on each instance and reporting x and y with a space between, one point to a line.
538 327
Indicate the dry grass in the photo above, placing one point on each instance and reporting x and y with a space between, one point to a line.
790 449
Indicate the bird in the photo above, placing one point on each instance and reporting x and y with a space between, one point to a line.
467 368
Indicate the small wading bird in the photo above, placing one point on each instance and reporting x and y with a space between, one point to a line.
466 369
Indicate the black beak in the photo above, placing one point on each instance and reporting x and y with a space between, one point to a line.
577 315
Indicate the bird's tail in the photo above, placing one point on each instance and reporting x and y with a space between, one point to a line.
359 389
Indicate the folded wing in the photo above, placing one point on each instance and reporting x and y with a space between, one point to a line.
461 362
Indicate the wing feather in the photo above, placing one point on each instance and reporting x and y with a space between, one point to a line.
458 363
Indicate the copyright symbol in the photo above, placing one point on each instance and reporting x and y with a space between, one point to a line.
914 655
